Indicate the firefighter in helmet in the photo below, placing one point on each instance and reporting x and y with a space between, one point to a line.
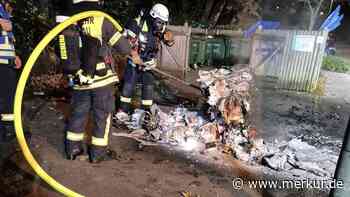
145 34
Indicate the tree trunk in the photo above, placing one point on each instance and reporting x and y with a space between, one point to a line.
216 13
312 22
208 7
314 13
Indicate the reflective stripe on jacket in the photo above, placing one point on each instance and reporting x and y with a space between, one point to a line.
98 35
7 48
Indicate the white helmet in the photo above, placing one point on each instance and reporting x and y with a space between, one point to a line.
160 11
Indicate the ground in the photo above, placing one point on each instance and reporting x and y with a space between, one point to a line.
166 171
287 114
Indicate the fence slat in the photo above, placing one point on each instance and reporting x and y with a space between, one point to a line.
299 63
291 56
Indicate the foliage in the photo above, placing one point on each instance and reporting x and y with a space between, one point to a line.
319 89
207 12
120 10
301 14
336 64
30 25
34 18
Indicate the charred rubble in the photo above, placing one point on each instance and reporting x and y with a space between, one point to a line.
225 122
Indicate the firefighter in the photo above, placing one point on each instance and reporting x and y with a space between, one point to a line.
144 33
9 64
94 79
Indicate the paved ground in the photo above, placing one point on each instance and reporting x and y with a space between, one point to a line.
287 114
318 120
337 86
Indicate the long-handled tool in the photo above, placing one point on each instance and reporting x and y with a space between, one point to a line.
169 76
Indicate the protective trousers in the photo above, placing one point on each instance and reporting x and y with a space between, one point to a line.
100 102
8 81
133 75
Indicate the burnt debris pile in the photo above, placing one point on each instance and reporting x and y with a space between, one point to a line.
224 124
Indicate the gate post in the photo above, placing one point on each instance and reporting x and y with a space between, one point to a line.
342 172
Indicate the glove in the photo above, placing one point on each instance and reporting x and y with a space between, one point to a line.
82 79
6 25
149 65
135 58
168 38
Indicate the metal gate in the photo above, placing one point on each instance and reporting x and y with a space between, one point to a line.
293 58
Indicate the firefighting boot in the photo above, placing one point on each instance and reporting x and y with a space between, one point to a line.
99 154
74 149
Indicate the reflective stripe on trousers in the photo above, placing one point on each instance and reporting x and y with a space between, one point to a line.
6 117
131 76
100 102
103 140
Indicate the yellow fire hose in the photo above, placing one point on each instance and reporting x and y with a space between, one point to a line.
20 90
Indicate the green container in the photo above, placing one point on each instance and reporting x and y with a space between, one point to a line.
215 51
219 51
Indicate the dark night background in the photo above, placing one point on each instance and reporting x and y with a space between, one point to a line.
34 18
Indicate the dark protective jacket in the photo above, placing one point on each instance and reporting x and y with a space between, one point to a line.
140 30
70 49
92 55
